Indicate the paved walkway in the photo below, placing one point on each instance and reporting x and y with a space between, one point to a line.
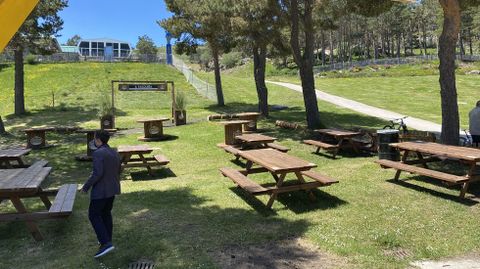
412 122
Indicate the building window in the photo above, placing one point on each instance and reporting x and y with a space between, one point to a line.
84 48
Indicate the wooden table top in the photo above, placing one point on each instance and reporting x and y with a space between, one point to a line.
153 120
134 149
13 153
457 152
233 122
337 133
276 161
23 179
34 129
255 138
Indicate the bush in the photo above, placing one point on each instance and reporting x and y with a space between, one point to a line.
31 59
232 59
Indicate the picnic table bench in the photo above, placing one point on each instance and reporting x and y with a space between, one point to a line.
126 153
279 165
339 138
152 129
12 158
17 184
36 137
418 149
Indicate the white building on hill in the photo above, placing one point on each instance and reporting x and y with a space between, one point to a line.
104 48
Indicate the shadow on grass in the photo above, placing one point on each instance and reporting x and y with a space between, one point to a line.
446 196
158 173
59 116
297 201
178 229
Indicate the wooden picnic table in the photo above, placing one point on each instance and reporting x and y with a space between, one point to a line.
333 140
278 164
36 138
153 129
425 152
232 129
17 184
126 153
254 140
12 158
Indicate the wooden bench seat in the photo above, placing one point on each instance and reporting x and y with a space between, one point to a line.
449 178
278 147
62 206
161 159
230 149
322 145
325 180
243 181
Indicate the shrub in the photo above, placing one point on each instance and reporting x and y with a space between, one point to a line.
232 59
31 59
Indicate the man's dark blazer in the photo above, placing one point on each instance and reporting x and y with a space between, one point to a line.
105 177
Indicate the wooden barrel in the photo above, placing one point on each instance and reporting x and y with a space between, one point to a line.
153 129
35 139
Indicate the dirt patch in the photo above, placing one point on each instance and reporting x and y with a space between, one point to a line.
292 253
471 261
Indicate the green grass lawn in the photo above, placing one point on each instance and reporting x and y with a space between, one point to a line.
413 90
187 213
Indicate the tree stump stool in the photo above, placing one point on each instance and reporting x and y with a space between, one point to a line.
36 138
153 129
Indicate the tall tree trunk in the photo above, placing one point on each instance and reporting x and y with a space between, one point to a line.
425 39
332 56
259 60
470 45
323 48
399 40
2 126
305 61
218 80
460 44
446 54
19 83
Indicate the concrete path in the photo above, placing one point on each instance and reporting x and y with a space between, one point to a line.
412 122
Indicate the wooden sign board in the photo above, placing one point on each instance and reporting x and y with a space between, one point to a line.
143 87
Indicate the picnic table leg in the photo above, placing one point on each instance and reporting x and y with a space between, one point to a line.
45 200
125 158
248 166
146 164
470 174
404 158
337 149
273 196
354 146
302 180
31 225
420 157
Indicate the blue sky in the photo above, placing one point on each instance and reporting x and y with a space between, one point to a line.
117 19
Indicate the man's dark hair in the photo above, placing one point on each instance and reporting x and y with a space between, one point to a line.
103 135
478 103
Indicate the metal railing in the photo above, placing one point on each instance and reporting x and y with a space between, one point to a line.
203 88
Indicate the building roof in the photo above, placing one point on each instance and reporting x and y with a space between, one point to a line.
104 39
66 48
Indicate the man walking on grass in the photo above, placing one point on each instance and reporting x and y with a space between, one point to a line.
104 183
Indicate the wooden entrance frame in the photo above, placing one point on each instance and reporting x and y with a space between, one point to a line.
117 82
